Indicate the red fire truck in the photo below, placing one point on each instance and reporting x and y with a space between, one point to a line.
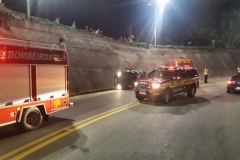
34 82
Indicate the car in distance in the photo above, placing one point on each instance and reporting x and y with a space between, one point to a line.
164 82
125 79
234 84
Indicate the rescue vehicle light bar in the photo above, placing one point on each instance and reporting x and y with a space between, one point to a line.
173 68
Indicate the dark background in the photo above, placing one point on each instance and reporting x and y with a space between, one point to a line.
182 21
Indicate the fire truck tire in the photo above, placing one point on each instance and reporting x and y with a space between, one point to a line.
32 119
166 97
192 91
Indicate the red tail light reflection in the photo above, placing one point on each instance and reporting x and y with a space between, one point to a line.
231 82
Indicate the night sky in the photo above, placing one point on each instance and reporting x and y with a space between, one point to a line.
114 17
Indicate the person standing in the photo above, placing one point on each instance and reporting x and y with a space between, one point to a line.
97 32
91 30
74 24
86 28
238 69
57 20
205 72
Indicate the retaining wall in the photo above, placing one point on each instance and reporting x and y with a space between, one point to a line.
94 60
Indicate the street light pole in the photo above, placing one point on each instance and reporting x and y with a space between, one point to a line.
158 3
28 10
155 26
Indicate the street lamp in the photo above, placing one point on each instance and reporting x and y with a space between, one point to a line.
28 10
162 4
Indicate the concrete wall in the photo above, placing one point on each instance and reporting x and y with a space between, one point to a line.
94 60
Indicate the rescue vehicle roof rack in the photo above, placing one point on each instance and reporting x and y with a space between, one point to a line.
26 43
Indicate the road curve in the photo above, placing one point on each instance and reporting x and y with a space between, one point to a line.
113 125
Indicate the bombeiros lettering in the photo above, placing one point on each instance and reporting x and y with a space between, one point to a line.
29 56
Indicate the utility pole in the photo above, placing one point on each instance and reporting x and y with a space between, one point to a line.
28 10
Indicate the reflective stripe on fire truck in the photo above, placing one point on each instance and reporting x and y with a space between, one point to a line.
4 124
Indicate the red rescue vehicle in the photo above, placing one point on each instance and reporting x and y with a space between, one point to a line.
34 82
186 63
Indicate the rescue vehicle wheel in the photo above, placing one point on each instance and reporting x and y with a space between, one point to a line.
140 98
32 119
166 97
192 91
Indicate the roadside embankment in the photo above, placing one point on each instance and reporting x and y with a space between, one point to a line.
94 60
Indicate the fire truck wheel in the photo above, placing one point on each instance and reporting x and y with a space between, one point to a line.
166 97
192 91
32 119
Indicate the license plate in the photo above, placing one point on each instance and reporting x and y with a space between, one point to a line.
142 93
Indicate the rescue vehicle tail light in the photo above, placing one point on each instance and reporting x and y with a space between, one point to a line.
231 82
156 85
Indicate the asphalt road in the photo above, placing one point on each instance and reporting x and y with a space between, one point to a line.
205 127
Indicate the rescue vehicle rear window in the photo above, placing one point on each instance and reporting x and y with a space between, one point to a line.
160 74
192 73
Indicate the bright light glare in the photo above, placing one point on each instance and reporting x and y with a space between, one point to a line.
156 85
119 86
119 74
162 2
135 83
